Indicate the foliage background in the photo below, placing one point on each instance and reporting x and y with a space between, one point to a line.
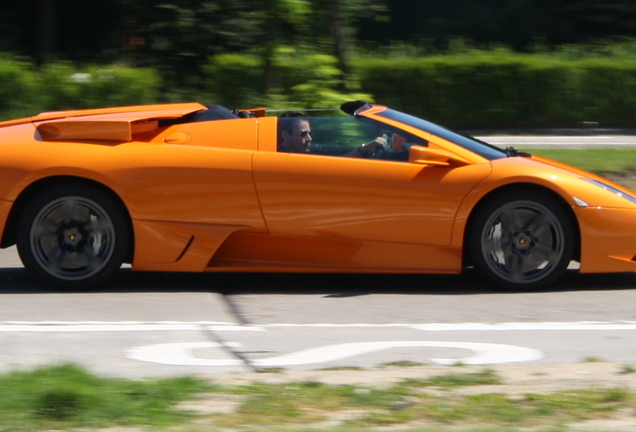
464 63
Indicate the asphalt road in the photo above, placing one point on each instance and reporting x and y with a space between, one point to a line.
147 324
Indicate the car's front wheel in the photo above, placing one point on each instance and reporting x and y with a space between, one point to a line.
521 240
72 236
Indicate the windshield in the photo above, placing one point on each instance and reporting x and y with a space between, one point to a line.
485 150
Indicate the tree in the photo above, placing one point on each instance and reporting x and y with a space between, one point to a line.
595 19
60 29
282 22
339 19
326 24
179 35
515 23
341 40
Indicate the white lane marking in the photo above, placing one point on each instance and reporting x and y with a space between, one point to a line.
556 141
114 322
78 327
70 326
439 327
180 354
585 326
121 326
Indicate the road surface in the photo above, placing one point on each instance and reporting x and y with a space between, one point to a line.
147 324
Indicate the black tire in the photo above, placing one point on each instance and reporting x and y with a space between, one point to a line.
73 236
521 240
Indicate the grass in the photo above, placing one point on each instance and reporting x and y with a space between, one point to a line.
402 364
485 377
67 397
342 368
592 359
627 369
418 401
616 164
455 380
599 160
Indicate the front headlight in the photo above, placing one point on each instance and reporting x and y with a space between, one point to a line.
612 190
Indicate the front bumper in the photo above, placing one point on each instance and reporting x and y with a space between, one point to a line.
608 239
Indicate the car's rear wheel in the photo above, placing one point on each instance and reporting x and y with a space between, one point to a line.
72 236
521 240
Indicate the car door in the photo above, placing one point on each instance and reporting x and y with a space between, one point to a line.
370 200
351 213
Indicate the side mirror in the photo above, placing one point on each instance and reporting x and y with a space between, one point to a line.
436 157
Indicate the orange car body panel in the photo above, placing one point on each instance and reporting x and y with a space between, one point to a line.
206 188
217 196
268 253
609 249
163 110
337 198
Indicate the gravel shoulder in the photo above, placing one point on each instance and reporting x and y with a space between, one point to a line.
517 379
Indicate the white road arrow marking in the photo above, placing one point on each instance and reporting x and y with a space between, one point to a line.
180 354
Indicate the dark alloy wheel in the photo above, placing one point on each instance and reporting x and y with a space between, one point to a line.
73 236
521 240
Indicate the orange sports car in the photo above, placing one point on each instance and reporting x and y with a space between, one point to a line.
196 188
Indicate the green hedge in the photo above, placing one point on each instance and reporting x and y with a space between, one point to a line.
234 80
491 91
25 90
68 88
19 89
478 90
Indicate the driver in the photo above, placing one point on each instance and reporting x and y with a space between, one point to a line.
295 137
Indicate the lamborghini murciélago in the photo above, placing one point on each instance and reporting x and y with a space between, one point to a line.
201 188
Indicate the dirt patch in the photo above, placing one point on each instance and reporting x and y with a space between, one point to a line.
625 178
540 378
517 382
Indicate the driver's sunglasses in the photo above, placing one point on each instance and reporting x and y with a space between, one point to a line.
304 133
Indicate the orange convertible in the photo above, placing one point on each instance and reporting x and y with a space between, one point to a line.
194 188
